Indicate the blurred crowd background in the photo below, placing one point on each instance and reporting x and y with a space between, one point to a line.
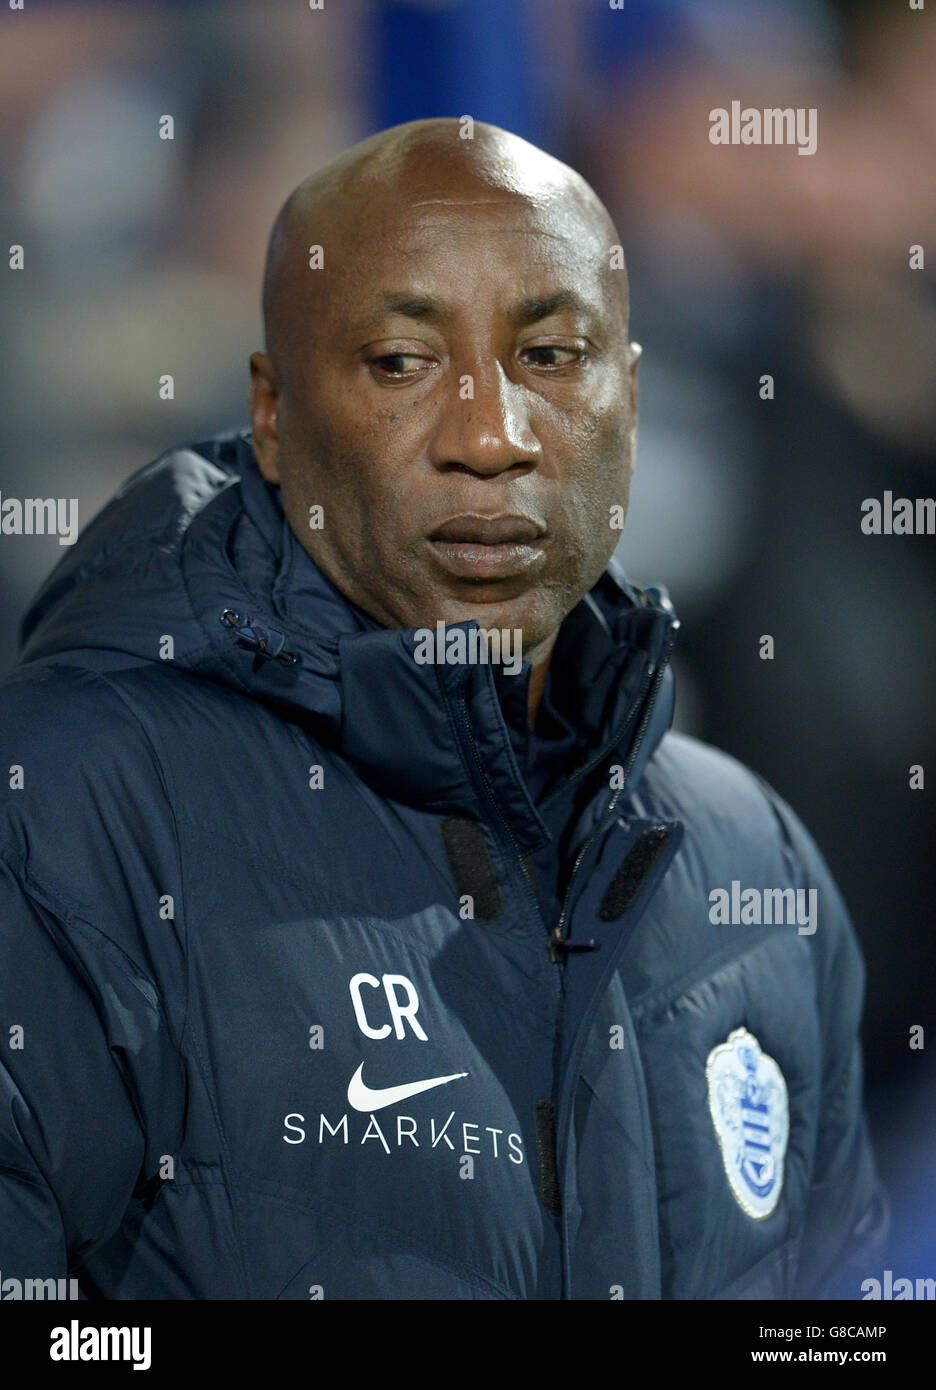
144 256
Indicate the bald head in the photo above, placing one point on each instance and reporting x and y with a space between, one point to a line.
414 165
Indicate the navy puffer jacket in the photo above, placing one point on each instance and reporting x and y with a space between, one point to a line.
321 977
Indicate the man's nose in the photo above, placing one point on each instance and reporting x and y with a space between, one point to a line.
485 424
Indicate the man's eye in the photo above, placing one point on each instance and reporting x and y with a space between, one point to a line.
553 356
399 363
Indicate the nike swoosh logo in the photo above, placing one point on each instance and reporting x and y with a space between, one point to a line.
361 1097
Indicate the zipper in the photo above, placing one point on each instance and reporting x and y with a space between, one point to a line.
528 887
588 767
558 945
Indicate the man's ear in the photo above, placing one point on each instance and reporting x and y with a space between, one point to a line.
262 400
635 351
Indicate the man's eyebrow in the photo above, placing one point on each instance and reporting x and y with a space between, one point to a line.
541 306
527 311
412 306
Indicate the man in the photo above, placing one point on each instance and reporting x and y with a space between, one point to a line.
362 931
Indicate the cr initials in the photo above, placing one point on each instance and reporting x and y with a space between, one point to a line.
399 1008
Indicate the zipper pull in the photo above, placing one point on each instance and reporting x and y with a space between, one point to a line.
559 946
265 641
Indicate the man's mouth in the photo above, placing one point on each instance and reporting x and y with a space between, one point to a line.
487 547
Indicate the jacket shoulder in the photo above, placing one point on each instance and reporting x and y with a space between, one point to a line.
739 827
691 779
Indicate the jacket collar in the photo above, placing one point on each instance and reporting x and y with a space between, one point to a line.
197 544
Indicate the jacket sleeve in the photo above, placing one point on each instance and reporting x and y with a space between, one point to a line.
71 1145
848 1212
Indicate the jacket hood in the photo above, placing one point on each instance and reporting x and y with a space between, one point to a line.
193 561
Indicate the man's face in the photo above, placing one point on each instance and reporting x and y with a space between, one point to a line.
461 403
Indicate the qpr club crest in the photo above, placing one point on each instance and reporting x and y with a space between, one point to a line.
747 1097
